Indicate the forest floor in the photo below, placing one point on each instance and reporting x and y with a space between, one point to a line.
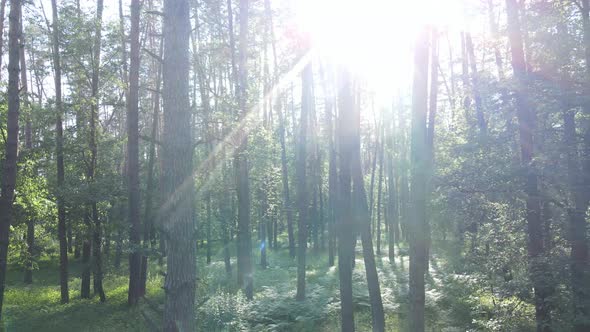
221 307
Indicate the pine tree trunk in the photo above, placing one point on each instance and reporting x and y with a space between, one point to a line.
526 120
30 237
179 225
11 152
91 172
418 226
135 257
61 210
379 190
302 199
245 280
346 227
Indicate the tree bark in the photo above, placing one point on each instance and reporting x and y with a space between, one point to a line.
177 171
302 199
418 226
92 144
363 224
61 209
135 256
11 147
30 234
245 280
346 229
526 120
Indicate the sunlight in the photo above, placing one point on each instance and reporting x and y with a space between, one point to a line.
374 38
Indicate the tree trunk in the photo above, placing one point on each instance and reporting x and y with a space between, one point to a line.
302 199
11 152
346 229
577 222
363 223
245 280
149 231
379 190
135 256
526 120
30 235
177 171
91 172
418 226
61 209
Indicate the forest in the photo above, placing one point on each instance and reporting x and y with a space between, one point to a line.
294 165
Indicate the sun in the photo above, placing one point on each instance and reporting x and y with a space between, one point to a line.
373 38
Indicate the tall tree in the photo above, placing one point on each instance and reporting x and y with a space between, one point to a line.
245 279
28 275
302 199
92 144
363 224
418 226
177 171
59 154
526 123
11 146
346 227
133 158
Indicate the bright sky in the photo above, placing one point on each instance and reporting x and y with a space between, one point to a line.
375 38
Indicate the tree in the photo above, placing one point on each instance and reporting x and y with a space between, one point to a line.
92 144
418 227
245 279
133 153
59 152
302 199
346 227
176 212
11 147
526 122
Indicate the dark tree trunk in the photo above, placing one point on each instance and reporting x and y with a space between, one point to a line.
11 147
135 257
577 224
526 120
177 171
61 209
418 226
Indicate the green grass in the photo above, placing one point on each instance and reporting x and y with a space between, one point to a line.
222 306
37 307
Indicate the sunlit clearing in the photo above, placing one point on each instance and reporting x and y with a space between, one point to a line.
373 38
